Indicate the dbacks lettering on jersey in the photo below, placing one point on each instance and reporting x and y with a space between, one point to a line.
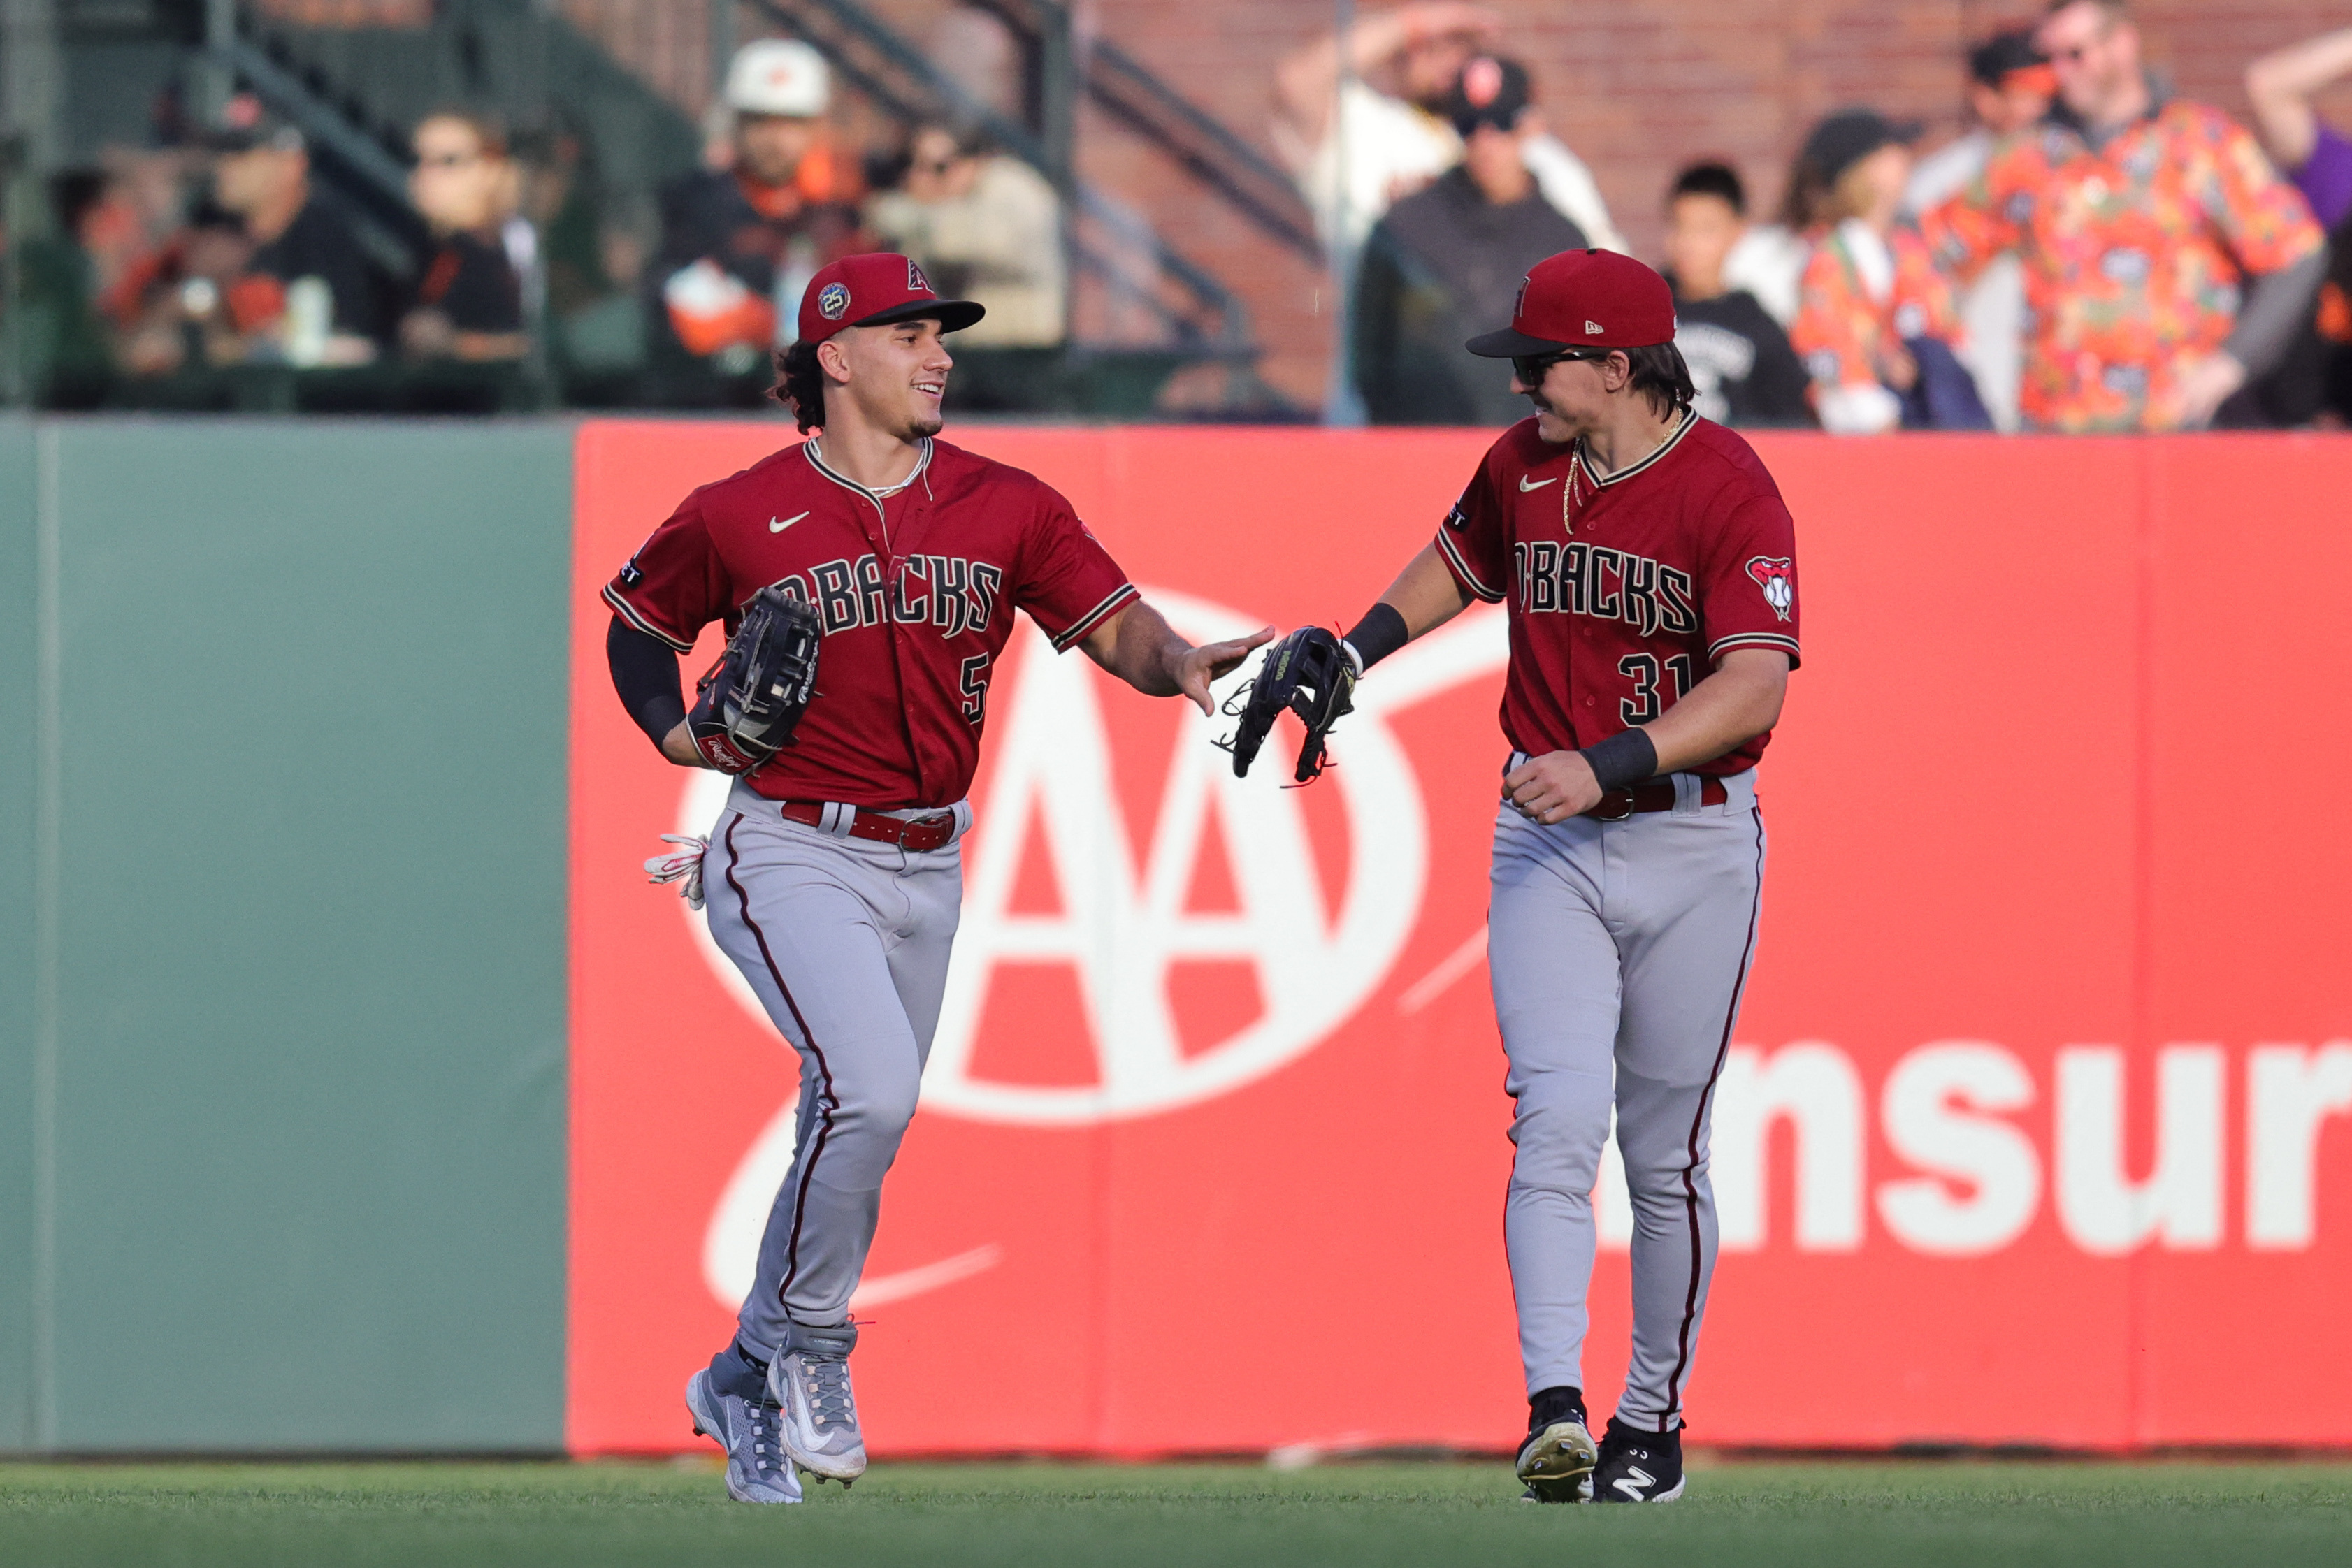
946 592
1580 578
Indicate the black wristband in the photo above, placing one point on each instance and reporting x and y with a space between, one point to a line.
1626 759
1381 633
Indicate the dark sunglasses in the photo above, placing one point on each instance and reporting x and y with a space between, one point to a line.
1530 367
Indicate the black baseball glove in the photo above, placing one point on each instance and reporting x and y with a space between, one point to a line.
1307 673
746 707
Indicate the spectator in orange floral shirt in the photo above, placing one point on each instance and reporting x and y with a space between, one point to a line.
2165 262
1875 321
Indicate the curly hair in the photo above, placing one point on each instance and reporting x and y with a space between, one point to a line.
800 385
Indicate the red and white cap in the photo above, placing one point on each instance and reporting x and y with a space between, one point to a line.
874 291
1584 299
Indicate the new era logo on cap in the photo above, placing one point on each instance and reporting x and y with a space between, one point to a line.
1563 298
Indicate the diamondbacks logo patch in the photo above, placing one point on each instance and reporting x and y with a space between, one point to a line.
832 304
1776 575
916 282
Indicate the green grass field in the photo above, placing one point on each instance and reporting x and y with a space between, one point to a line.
1915 1514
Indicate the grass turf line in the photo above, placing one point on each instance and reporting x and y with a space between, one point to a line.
1915 1514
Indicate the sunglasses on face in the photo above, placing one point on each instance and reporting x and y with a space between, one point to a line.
1530 367
2075 54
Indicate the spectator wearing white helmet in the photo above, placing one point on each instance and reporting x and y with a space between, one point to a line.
737 240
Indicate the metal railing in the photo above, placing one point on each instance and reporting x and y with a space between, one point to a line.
1203 146
884 66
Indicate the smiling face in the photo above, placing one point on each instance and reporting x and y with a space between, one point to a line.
894 376
1574 395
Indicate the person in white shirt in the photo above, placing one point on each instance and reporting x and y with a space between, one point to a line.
1357 145
2010 89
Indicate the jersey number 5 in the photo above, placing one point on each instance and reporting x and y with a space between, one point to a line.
1642 669
975 688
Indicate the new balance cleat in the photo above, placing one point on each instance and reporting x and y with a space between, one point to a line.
810 1380
1637 1466
751 1431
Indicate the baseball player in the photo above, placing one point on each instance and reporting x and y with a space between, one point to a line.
833 875
1650 568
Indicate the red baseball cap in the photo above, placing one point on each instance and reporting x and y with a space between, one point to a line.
1584 299
874 291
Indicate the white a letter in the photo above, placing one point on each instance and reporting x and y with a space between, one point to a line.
1926 1108
1814 1086
2102 1208
2289 1092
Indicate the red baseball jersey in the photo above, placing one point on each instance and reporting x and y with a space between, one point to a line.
1624 590
916 589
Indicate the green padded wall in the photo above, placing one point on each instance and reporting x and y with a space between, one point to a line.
19 645
308 1177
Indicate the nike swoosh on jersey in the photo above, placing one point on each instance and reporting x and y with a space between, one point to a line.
1525 487
776 527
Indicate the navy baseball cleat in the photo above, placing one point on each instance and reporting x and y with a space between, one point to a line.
751 1431
1556 1459
809 1378
1637 1466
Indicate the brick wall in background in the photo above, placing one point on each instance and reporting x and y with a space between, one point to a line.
1636 91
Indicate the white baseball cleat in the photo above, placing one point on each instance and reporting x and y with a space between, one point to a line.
751 1431
810 1380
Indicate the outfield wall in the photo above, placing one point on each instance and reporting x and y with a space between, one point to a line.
2042 1076
281 1149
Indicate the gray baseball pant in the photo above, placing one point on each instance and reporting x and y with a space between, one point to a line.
1619 950
845 942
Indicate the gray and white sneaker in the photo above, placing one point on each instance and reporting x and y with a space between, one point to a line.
751 1431
810 1379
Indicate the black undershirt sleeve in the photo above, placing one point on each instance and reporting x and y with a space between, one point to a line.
645 672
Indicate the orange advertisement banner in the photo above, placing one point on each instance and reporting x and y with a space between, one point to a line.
2038 1124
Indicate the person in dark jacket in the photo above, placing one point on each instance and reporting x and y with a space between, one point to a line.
468 303
740 242
1739 358
1446 262
300 234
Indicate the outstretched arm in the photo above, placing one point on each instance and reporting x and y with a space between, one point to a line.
1424 597
2281 86
1139 647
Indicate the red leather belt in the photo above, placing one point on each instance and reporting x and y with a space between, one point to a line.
917 833
1657 795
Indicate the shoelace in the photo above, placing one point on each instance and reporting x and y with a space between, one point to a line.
767 1450
826 1381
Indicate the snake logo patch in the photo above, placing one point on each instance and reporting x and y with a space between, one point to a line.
1775 574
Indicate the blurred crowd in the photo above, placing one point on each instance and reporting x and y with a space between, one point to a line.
172 268
2090 254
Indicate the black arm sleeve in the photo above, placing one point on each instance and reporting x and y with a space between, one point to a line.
645 672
